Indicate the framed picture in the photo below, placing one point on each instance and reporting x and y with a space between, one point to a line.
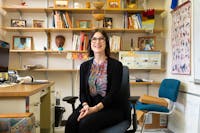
146 43
22 42
107 22
84 24
38 23
113 3
60 3
18 23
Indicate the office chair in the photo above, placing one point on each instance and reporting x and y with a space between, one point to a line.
168 89
124 95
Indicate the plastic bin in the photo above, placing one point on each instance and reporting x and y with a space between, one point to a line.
58 115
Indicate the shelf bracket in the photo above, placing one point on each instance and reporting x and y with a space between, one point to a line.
20 13
20 60
48 39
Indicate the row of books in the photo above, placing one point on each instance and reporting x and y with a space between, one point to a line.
135 21
80 42
115 42
143 20
61 19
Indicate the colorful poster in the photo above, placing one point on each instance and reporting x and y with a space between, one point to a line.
181 39
141 59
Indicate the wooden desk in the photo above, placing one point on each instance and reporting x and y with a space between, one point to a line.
23 90
38 99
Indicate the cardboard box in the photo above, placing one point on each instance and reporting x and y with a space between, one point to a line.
153 121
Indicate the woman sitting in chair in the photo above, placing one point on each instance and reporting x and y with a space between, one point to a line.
100 82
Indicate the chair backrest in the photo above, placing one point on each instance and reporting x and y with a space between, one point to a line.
123 102
169 89
124 93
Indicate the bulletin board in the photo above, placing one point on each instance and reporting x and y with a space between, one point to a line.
181 39
141 59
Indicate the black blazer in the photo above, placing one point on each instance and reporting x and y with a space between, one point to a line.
114 77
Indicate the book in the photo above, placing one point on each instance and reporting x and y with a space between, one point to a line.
148 19
107 22
153 100
58 20
69 21
64 19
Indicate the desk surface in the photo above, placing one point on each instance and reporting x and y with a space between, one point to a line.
22 90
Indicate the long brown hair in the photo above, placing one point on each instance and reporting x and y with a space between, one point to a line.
107 49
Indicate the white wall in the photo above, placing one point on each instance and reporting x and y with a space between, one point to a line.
186 118
63 80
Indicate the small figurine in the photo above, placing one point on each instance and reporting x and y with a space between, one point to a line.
60 41
23 3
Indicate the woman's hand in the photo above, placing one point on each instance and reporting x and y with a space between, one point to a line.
86 111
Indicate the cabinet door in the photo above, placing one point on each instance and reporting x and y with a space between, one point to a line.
34 107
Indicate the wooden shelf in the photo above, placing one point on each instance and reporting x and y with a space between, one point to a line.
52 51
73 10
46 70
159 70
145 83
30 29
46 51
76 70
24 9
26 29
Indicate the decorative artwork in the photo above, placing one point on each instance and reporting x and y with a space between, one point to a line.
141 59
131 4
84 24
181 39
107 22
60 3
146 43
22 43
113 3
18 23
60 41
38 23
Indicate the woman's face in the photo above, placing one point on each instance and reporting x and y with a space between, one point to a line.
98 43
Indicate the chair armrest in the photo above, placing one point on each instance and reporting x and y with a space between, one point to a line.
70 99
133 99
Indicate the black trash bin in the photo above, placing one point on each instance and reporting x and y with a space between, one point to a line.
58 115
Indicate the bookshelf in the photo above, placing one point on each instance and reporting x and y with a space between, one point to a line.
58 67
47 10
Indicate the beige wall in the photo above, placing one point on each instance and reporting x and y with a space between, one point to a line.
186 118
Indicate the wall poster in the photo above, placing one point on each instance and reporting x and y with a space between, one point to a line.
181 39
141 59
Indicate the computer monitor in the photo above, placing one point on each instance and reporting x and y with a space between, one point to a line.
4 56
